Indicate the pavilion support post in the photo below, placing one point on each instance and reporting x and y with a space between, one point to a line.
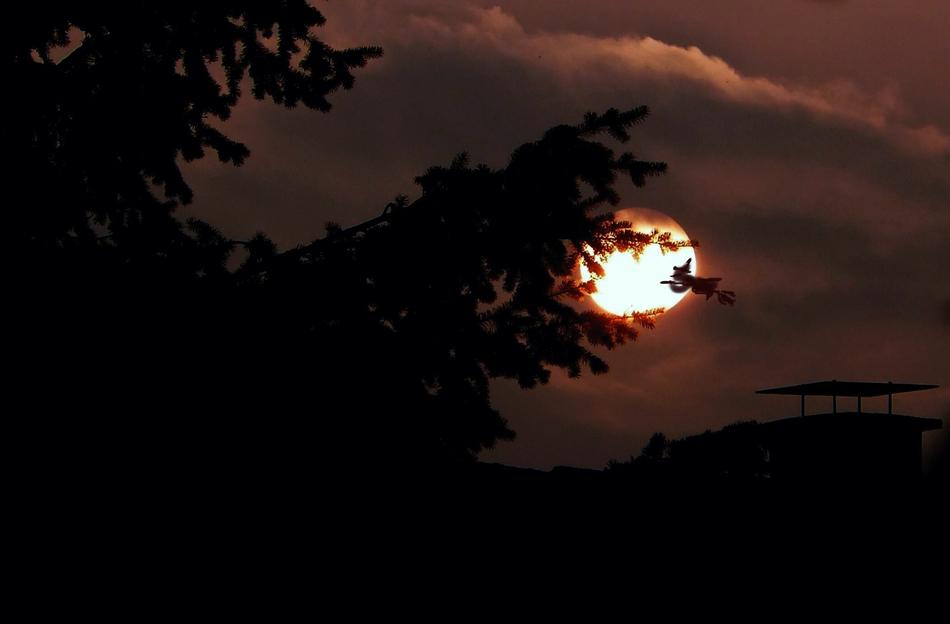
834 404
859 405
803 405
890 404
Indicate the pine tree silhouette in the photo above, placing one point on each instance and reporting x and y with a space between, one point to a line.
474 281
373 345
98 132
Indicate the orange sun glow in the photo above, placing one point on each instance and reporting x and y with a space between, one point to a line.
633 285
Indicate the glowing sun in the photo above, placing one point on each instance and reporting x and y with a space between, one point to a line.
632 285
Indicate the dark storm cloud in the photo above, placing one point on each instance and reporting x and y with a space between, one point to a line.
820 198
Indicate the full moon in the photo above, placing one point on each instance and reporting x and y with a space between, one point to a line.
633 285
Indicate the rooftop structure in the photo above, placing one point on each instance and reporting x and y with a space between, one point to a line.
854 447
858 389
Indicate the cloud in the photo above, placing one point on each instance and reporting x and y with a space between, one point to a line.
573 55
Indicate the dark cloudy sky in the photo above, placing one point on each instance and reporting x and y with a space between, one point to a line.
809 152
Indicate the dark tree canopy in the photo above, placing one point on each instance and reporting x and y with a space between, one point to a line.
99 133
733 455
377 340
475 279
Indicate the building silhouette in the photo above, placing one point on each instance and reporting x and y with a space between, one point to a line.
845 447
836 452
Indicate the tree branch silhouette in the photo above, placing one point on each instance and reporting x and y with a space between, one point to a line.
467 278
104 130
382 337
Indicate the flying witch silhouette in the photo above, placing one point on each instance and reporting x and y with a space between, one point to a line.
684 280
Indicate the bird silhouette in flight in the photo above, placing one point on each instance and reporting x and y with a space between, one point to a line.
684 280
